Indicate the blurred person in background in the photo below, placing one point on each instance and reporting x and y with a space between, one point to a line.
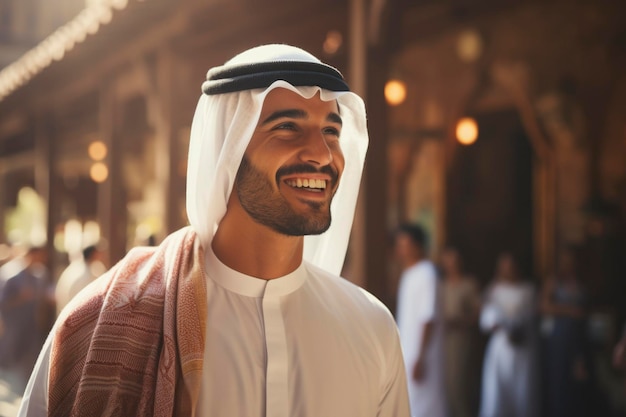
23 300
461 306
78 274
420 323
14 261
509 312
5 254
566 354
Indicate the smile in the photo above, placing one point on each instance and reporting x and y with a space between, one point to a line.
308 183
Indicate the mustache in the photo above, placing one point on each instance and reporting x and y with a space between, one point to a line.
307 169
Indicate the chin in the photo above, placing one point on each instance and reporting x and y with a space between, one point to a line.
301 227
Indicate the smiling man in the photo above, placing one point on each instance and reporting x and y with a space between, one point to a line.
242 313
301 146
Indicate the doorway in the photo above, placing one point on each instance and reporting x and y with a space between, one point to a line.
489 196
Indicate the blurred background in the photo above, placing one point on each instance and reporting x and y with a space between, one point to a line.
495 125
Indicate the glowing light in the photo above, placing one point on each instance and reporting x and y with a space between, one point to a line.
99 172
54 48
333 42
469 46
97 150
395 92
58 52
466 131
103 13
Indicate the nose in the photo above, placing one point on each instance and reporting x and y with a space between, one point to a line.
316 151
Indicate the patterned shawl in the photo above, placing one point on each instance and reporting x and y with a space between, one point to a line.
133 343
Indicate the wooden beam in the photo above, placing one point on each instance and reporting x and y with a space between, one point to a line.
63 88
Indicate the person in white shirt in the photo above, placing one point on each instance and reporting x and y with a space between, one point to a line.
78 274
242 313
420 323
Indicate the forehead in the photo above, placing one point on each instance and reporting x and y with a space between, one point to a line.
281 98
404 239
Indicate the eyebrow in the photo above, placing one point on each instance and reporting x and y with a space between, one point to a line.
298 114
334 117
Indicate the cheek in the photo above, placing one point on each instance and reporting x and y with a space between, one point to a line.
338 159
263 159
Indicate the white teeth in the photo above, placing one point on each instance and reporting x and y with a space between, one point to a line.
307 183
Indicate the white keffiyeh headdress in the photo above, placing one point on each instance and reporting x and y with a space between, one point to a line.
225 118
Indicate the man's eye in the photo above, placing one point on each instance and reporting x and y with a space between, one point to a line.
332 131
285 126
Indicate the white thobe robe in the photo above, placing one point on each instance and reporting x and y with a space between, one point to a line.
418 304
74 278
509 371
306 344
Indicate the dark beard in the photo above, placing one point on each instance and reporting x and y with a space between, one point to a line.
266 207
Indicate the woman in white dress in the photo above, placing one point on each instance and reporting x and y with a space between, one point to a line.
509 372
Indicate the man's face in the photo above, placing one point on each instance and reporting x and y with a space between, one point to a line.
450 261
506 269
405 249
291 168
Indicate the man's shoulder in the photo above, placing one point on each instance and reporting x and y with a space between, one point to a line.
354 310
334 281
346 293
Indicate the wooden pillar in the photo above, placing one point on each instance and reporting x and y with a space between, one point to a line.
178 145
380 19
46 181
165 117
375 180
354 268
165 114
112 212
359 257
